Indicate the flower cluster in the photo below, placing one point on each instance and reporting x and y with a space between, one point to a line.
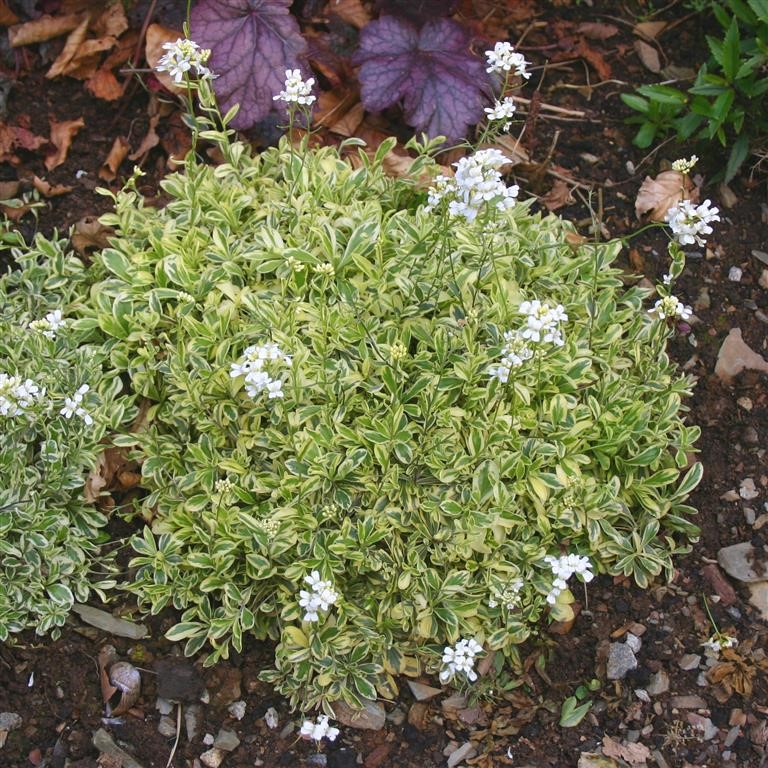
543 322
513 355
717 642
502 110
50 324
504 58
296 89
670 307
183 56
460 658
73 406
689 223
508 595
563 568
319 730
252 366
17 395
685 166
321 597
477 181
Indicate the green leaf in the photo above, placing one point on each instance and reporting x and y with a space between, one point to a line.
737 156
572 713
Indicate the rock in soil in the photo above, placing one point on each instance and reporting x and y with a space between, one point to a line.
743 562
658 684
9 721
177 680
689 661
226 740
621 659
423 692
213 758
104 743
372 718
758 597
464 752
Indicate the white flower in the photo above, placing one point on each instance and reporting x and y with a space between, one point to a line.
504 58
460 658
666 279
513 355
17 395
319 730
50 324
689 223
477 182
296 90
182 57
543 322
671 307
73 406
320 597
563 568
502 110
717 642
685 166
256 363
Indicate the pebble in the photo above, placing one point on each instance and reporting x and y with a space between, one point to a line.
237 709
642 695
741 561
396 716
9 721
423 692
163 706
193 718
371 718
634 642
166 727
708 729
758 597
226 740
732 735
465 751
658 684
763 279
213 758
689 661
691 701
747 489
735 274
271 718
621 659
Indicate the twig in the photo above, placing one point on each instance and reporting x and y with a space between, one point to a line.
553 108
178 734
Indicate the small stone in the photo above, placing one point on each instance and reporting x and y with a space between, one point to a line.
105 744
208 739
691 701
763 279
166 727
642 694
423 692
9 721
621 659
226 740
271 718
732 735
708 729
634 642
396 716
163 706
751 436
703 300
453 703
758 597
378 756
464 752
193 719
658 684
743 562
237 709
372 717
595 760
747 489
689 661
735 355
213 758
720 584
735 274
318 759
750 516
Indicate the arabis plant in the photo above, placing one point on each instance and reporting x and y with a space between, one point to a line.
690 223
184 59
319 729
503 59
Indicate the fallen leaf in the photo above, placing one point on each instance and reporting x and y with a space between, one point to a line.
594 30
104 85
112 22
42 29
71 47
118 153
9 189
558 196
633 753
150 140
157 36
347 124
735 355
89 233
109 623
656 196
351 11
62 134
85 62
46 189
650 30
7 16
648 55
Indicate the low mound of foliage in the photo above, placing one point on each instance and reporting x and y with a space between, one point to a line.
376 426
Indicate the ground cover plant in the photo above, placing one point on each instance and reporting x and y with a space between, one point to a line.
387 424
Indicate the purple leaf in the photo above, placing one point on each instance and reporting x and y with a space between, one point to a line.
443 87
417 10
252 43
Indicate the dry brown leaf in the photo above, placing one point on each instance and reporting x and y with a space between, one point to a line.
124 50
558 196
512 148
650 30
89 234
648 55
348 123
9 189
107 657
126 679
104 85
150 140
88 57
112 22
71 47
118 153
7 16
633 753
46 189
594 30
42 29
351 11
157 35
61 137
656 196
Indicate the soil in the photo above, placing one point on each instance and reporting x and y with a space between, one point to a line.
54 685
